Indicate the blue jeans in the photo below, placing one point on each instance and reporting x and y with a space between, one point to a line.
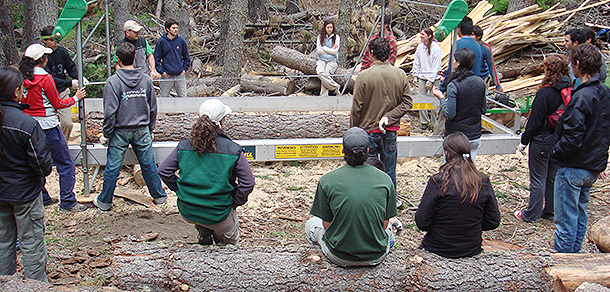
384 145
572 186
65 168
141 142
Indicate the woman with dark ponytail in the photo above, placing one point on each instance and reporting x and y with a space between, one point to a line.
44 100
465 100
25 160
457 205
213 177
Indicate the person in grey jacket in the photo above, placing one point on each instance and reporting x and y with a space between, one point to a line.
130 110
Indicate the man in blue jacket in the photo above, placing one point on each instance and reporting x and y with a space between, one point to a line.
172 60
581 151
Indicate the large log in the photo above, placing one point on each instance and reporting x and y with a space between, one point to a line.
571 270
600 234
159 267
307 64
267 85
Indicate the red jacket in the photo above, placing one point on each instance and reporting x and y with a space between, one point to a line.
42 95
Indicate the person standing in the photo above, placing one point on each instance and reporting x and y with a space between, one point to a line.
130 112
571 39
488 65
388 35
381 99
583 136
591 39
427 63
209 203
355 188
327 49
144 53
538 135
172 60
465 31
44 100
25 159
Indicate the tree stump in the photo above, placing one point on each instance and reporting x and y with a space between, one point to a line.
267 85
600 234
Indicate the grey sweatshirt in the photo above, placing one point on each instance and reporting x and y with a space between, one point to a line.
130 103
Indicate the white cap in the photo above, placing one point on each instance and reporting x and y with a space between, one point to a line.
131 25
214 109
36 51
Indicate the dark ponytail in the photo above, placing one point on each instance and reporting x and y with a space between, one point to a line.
466 58
27 64
10 80
460 169
204 134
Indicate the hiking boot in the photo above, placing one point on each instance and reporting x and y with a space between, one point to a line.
160 201
205 235
78 207
99 205
52 201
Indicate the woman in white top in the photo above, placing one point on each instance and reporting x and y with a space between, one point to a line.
327 48
428 62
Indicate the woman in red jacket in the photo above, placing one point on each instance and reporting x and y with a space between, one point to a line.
43 98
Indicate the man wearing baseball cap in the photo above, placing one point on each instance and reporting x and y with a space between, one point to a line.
352 208
144 53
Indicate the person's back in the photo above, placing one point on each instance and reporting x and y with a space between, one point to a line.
470 43
470 101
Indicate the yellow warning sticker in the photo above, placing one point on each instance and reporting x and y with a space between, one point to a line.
308 151
423 106
74 109
487 125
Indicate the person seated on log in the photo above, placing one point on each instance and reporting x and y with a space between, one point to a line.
348 239
367 60
327 48
214 179
457 205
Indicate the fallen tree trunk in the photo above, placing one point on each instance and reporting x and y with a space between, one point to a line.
571 270
267 85
304 268
307 64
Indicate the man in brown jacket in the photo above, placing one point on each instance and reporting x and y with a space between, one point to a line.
381 98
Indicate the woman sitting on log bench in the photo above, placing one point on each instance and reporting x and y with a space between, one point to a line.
327 47
457 205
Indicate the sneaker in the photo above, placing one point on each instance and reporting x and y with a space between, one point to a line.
76 208
52 201
97 204
160 201
398 203
518 215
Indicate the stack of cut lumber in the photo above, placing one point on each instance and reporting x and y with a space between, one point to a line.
507 34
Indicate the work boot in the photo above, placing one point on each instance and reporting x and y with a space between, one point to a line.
205 235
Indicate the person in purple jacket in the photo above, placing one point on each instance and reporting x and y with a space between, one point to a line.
172 60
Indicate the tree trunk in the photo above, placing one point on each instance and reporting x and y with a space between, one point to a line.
267 85
343 28
257 10
305 268
514 5
292 7
121 14
36 15
9 53
571 270
233 42
184 21
307 64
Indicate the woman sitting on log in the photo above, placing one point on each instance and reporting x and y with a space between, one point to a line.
327 48
539 135
457 205
465 101
214 179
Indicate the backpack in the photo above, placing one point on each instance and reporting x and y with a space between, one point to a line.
566 96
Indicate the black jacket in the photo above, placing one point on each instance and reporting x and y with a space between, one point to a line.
470 104
26 157
58 65
583 131
547 101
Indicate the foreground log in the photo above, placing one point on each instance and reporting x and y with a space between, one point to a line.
571 270
267 85
307 64
600 234
304 268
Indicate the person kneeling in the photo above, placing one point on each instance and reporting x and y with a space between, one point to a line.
457 205
352 208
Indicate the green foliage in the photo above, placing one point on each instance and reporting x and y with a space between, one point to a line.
18 14
501 6
95 72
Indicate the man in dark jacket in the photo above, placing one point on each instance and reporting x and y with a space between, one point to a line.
581 151
130 110
172 60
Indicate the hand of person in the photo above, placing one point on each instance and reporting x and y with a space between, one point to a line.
438 93
335 46
183 72
104 141
383 123
152 137
154 75
164 75
602 176
500 89
74 83
80 93
521 148
397 225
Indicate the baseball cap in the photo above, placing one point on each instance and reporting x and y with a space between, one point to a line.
131 25
355 139
214 109
36 51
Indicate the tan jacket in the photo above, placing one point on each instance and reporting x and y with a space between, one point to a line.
382 90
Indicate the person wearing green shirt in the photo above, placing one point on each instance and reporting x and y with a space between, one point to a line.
352 208
144 53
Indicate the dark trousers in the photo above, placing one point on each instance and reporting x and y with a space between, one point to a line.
65 168
542 179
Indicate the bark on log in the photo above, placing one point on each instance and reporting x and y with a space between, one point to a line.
267 85
600 234
304 268
571 270
514 72
307 64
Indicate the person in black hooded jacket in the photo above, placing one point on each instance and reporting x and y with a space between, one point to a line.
539 136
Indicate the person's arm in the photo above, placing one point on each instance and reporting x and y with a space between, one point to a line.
574 129
405 104
158 55
69 65
491 214
62 83
417 62
186 57
152 102
491 64
151 62
38 152
449 104
393 47
335 49
426 211
245 180
111 106
167 170
53 96
357 103
320 207
437 60
537 116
